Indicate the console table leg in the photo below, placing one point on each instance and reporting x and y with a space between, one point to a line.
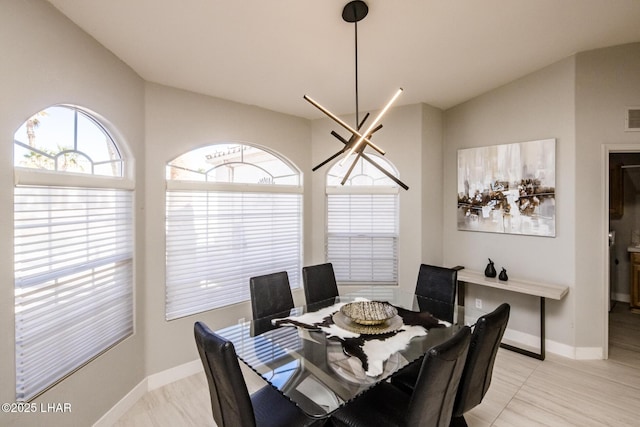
461 292
541 355
542 331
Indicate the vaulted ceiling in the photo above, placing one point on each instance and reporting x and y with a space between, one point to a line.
270 53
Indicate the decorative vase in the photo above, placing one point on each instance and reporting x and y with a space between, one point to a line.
503 275
490 271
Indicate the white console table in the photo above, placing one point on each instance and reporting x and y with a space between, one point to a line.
541 290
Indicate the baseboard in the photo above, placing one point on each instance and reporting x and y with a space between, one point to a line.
529 341
563 350
589 353
123 405
148 384
522 339
174 374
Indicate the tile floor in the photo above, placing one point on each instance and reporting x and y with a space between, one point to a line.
524 391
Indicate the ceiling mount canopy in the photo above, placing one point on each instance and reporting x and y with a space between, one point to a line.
354 12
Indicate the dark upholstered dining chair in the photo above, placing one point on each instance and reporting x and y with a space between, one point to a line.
437 288
270 294
231 403
478 370
476 377
430 404
319 283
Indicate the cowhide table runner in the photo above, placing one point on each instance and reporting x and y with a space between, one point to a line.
371 350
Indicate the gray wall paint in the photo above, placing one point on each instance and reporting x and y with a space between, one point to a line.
538 106
432 194
607 82
47 60
581 101
177 122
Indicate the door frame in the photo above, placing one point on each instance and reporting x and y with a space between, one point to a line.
606 150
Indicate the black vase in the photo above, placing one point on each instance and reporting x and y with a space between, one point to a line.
490 271
503 275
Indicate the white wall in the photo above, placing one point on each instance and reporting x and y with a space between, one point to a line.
176 122
47 60
432 193
607 82
538 106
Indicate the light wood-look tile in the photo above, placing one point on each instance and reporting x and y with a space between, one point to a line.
182 403
524 392
565 392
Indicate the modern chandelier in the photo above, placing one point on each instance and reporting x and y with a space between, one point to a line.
355 11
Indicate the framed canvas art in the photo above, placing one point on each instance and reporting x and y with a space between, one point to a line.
508 188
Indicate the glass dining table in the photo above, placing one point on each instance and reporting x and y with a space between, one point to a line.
320 369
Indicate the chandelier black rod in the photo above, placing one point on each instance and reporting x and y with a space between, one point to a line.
355 24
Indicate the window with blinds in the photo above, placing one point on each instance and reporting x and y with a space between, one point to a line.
225 225
73 274
73 248
362 237
362 224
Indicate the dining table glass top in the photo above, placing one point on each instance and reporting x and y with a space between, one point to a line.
320 363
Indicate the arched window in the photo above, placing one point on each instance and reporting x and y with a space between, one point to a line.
233 211
66 139
233 163
73 233
362 223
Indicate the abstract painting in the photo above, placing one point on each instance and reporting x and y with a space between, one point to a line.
508 188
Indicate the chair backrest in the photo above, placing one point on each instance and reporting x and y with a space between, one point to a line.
270 294
437 287
478 370
435 390
319 282
230 401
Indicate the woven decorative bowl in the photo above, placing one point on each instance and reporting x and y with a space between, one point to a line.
369 312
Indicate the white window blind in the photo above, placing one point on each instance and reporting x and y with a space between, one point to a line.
217 240
362 237
73 280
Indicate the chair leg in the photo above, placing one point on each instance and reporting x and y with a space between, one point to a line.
458 422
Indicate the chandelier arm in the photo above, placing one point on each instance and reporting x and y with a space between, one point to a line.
353 165
375 122
346 143
384 171
343 124
327 161
377 128
366 116
340 138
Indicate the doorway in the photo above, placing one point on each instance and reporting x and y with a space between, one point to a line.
623 227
